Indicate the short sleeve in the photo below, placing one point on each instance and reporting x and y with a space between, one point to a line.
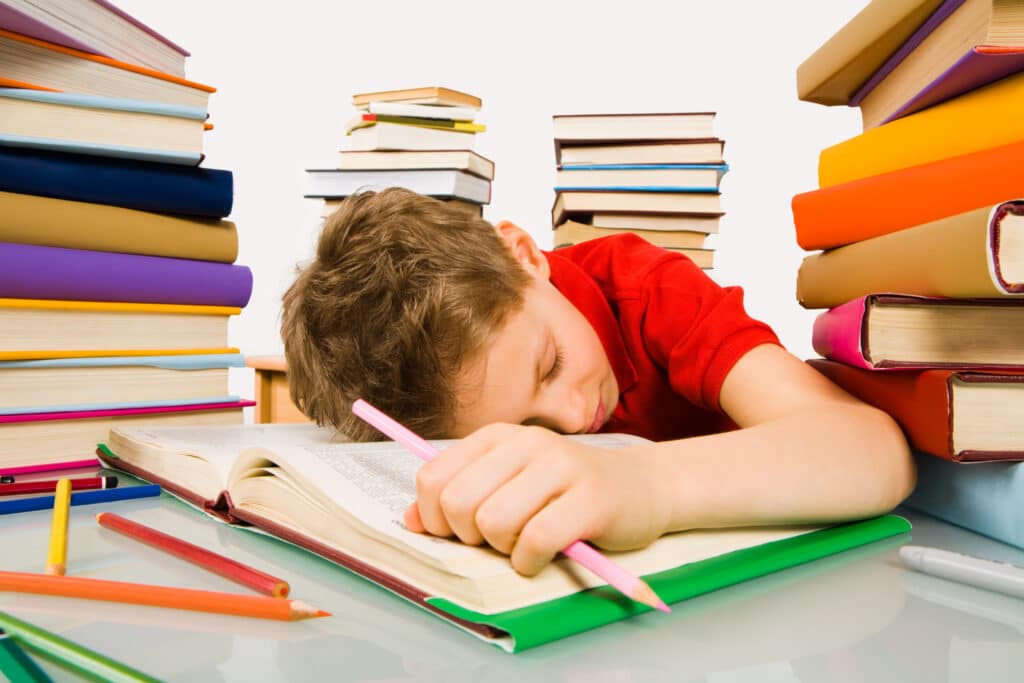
695 329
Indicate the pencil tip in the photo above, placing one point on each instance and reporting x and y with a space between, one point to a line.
322 613
643 593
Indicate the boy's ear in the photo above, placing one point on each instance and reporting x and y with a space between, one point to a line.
523 248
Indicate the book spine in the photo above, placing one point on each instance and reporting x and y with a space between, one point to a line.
55 273
983 497
877 205
984 118
119 412
838 334
160 188
163 156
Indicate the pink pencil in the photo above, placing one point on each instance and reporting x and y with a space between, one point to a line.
51 466
616 576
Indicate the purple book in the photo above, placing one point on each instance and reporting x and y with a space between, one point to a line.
979 66
32 272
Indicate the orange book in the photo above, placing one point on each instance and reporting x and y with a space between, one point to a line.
48 66
960 415
878 205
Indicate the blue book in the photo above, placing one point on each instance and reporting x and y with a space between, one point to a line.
8 507
640 177
140 185
985 497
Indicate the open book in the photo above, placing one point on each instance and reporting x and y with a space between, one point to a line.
345 501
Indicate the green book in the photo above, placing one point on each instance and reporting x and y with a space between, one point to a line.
344 501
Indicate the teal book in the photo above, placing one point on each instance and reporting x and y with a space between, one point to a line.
344 501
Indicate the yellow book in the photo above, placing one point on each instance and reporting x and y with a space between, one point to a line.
38 328
366 120
981 119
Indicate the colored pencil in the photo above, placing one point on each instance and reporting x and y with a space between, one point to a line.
50 485
617 576
17 666
51 466
56 559
258 606
91 665
84 498
210 561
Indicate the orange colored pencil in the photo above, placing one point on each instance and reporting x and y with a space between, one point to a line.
258 606
211 561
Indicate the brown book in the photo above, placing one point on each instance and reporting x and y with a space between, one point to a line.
572 232
571 203
426 95
686 151
960 415
637 221
974 255
849 58
50 222
637 126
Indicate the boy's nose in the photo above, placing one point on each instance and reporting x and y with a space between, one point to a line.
572 412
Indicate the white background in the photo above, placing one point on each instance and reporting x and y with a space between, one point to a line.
285 73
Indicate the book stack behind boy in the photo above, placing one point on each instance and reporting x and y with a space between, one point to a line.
920 223
655 175
420 138
118 279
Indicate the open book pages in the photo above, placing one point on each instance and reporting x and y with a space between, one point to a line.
351 496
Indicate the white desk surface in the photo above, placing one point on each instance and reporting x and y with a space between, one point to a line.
857 616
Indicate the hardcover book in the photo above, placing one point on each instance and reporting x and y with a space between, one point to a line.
141 185
385 136
652 177
427 95
51 66
982 497
104 126
857 50
637 126
889 331
576 202
400 160
978 254
39 328
963 45
571 232
990 116
344 501
35 272
881 204
686 151
42 438
105 383
96 26
962 415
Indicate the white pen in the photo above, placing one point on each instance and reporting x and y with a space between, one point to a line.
1000 577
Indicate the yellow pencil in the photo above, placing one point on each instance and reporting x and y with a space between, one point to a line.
56 561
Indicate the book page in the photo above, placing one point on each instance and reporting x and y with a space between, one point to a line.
375 482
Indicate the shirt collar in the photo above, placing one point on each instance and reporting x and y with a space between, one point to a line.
583 292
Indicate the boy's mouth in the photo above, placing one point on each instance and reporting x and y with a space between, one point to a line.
598 418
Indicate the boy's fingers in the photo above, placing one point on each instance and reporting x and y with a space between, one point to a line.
564 520
412 519
503 515
473 485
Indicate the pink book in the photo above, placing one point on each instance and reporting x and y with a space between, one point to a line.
838 333
115 412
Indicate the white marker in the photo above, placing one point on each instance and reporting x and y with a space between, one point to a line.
1000 577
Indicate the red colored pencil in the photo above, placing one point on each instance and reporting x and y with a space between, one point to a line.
50 485
218 564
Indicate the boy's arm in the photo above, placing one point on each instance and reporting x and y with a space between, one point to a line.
806 452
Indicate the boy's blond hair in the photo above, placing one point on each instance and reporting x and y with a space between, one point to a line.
402 291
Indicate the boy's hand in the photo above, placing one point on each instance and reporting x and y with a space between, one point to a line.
529 492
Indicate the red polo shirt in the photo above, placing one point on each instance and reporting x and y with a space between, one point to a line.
670 332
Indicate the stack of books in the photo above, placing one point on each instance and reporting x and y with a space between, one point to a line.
420 138
655 175
920 225
118 279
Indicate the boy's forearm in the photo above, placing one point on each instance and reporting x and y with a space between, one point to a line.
844 461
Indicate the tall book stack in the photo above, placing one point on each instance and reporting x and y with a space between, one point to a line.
920 223
118 279
420 138
655 175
